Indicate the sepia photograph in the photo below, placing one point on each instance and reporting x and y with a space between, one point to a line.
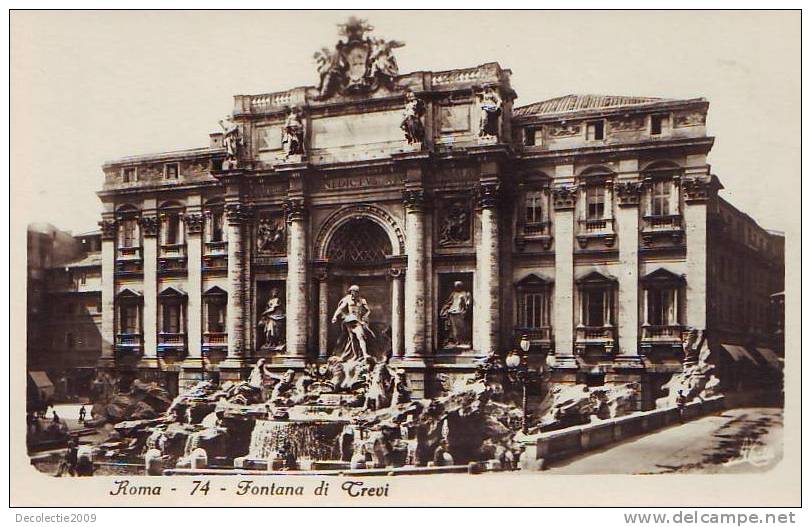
404 255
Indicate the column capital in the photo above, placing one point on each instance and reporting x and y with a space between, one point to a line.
294 209
238 213
489 194
194 222
700 188
320 270
564 197
628 193
414 199
149 225
108 229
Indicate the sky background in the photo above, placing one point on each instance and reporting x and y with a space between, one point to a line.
88 87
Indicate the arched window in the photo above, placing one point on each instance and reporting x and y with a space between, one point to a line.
359 242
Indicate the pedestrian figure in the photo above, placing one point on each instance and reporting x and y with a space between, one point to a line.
68 464
82 414
681 402
56 417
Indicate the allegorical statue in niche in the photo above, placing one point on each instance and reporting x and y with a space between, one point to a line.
412 119
455 227
455 313
490 104
270 236
353 312
272 320
293 134
232 142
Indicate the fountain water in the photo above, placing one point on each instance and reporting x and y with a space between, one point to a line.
313 439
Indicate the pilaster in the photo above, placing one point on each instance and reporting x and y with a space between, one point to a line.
564 198
108 236
149 229
194 253
628 196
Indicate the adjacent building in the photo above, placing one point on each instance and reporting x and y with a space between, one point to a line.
589 225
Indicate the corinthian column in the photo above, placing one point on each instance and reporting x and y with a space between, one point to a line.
238 214
296 329
564 198
486 307
414 324
323 311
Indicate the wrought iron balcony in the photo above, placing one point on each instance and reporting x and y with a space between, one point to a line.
128 347
666 333
215 339
215 262
216 248
172 265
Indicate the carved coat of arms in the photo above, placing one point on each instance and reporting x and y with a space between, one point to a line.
358 64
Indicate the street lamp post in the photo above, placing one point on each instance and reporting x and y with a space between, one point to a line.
518 372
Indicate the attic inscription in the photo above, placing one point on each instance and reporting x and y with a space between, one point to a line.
361 181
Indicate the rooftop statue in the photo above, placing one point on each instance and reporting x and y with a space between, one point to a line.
358 64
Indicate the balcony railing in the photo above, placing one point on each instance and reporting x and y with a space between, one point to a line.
671 222
129 339
537 336
172 265
215 339
129 253
172 339
540 227
595 333
175 250
591 336
668 333
215 262
597 226
216 248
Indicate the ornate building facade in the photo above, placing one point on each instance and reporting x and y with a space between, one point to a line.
585 223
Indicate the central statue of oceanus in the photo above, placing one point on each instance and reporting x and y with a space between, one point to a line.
353 312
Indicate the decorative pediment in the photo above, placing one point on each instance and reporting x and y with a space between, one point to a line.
532 280
663 276
172 291
128 293
215 291
596 278
357 65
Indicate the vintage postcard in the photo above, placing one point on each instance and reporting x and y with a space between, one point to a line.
405 258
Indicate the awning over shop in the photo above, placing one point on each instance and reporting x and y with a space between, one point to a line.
739 353
770 357
42 382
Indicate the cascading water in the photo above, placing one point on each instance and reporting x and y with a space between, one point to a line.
304 439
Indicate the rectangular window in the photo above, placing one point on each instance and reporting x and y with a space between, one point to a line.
534 207
534 312
595 131
171 170
594 307
216 228
595 203
129 175
129 319
659 124
172 229
216 317
171 318
661 307
128 233
529 137
660 198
